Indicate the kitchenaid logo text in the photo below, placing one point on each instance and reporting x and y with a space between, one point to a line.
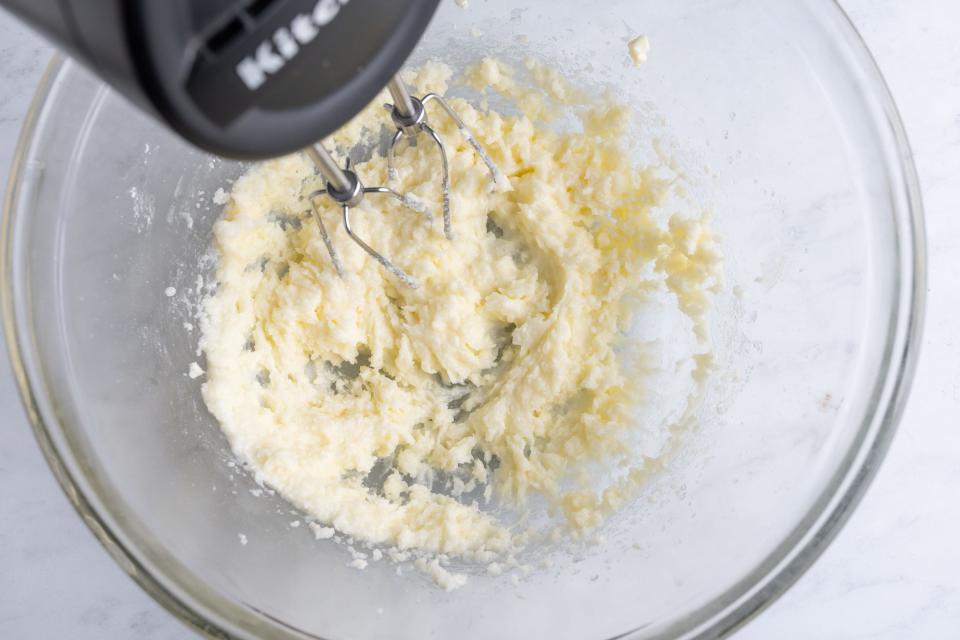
266 61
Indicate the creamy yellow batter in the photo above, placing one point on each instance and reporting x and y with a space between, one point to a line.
425 418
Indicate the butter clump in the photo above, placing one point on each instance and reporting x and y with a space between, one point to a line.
424 419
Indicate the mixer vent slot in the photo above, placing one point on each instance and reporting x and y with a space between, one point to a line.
257 7
226 34
238 25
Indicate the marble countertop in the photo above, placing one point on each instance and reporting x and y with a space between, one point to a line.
891 573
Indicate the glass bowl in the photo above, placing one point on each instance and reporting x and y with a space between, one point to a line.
779 116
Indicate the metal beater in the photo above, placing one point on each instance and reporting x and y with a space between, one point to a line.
343 186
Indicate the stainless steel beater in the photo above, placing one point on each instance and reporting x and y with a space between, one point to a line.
344 187
410 117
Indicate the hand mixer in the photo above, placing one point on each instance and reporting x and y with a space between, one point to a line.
254 79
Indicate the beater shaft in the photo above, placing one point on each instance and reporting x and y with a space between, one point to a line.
328 167
402 100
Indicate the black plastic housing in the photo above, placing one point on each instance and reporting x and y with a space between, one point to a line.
246 79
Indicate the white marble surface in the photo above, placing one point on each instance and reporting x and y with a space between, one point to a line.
893 572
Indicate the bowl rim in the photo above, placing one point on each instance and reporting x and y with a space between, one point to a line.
717 618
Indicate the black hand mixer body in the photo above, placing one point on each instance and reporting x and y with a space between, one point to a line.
255 79
247 79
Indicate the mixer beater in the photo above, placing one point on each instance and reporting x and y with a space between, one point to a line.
410 117
344 187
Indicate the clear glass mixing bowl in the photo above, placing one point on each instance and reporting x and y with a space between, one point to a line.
815 199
